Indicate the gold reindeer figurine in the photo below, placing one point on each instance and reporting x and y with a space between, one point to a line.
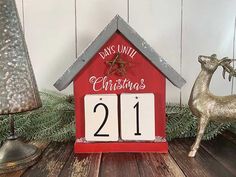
206 106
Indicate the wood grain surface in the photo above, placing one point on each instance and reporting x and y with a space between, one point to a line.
203 164
215 158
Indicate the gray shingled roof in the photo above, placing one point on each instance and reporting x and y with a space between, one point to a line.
118 24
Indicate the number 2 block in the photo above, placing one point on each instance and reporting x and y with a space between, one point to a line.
101 117
137 116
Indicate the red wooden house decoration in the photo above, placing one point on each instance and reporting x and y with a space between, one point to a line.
137 69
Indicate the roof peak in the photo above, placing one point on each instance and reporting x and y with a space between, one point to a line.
119 24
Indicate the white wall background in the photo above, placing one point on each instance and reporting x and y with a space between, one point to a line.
56 31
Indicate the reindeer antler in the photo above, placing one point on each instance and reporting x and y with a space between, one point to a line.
225 63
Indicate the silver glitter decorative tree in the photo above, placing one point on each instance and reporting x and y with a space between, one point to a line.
18 89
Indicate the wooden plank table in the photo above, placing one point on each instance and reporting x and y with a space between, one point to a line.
215 158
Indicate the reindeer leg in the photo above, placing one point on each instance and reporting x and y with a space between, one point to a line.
201 129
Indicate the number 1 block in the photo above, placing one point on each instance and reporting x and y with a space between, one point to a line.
137 116
101 117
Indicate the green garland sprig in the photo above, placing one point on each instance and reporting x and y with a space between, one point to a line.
55 121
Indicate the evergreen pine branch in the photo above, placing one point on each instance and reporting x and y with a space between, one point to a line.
55 121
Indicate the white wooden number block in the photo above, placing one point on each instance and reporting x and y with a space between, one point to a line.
137 116
101 117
